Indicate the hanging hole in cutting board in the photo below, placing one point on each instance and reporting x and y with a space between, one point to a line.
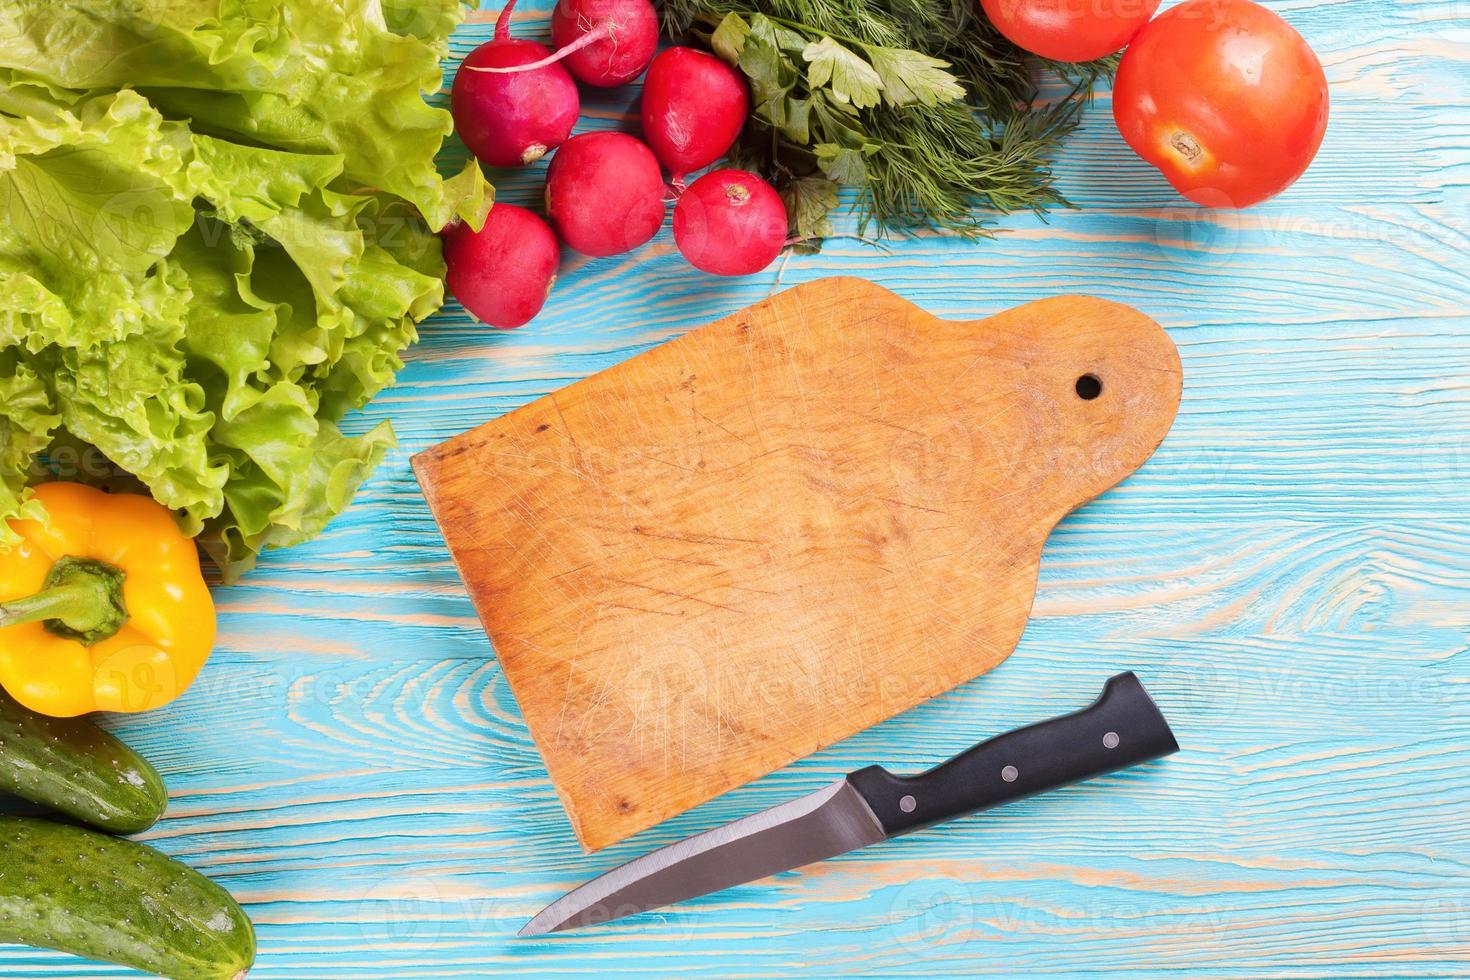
1089 386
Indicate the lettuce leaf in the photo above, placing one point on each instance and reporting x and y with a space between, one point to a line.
219 239
27 420
311 76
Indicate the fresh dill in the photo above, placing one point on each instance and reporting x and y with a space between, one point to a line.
921 106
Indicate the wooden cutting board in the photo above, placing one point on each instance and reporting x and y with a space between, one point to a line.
783 527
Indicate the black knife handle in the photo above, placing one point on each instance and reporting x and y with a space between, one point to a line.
1122 728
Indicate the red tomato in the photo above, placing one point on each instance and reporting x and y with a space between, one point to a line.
1070 30
1225 98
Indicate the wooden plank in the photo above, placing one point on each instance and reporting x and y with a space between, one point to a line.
1290 569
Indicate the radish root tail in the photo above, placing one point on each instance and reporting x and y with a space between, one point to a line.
586 40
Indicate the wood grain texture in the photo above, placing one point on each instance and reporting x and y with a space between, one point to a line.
786 526
1290 573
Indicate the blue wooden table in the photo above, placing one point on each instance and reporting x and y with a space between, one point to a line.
1291 574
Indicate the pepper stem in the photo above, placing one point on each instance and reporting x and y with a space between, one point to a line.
81 599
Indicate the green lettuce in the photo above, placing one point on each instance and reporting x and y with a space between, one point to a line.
218 238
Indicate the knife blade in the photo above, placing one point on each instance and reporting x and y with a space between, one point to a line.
1122 728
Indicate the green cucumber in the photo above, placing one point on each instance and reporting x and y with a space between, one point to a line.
75 768
81 892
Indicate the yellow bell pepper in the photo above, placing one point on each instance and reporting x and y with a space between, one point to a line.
102 605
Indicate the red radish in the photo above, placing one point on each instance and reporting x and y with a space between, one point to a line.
730 223
510 119
604 193
605 42
502 273
694 106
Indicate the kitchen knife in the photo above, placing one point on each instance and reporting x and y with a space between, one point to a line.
1122 728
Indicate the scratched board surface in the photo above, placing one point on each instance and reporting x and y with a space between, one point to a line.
1291 574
